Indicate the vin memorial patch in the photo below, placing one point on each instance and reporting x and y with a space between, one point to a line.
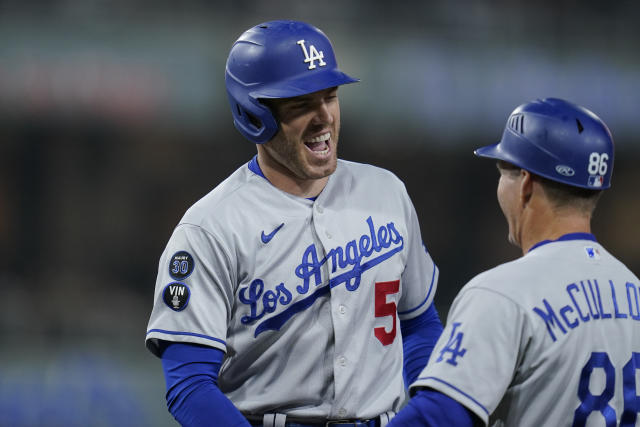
176 296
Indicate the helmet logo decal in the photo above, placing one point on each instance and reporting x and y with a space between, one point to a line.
595 181
565 170
312 55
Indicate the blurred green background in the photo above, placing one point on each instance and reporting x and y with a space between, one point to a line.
114 120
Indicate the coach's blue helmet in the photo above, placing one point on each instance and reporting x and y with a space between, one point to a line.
557 140
277 59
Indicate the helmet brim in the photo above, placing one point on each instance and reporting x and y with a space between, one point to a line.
303 85
495 151
492 151
487 151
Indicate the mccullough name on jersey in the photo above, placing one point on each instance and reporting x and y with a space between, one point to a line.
587 304
360 254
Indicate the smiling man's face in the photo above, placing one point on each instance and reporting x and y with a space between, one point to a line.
306 145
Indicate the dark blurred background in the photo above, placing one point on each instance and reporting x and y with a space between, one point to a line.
114 120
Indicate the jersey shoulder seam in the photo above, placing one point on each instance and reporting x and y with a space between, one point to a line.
230 188
493 291
214 237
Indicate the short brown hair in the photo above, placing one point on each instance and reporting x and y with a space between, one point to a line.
561 195
568 196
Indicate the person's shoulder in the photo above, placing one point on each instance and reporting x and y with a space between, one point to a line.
223 199
350 165
505 278
367 171
612 260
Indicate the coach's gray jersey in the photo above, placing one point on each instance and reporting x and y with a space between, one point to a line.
553 339
304 296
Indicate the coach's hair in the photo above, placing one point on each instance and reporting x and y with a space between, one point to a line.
561 195
564 196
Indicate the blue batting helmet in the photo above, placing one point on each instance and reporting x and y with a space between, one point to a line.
277 59
559 141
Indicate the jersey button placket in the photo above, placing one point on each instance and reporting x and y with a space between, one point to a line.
319 210
342 361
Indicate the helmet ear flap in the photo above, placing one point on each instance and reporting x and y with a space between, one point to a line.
254 120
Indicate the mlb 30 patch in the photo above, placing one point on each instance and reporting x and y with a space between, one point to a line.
181 265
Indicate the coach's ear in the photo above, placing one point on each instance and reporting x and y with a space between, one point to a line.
526 187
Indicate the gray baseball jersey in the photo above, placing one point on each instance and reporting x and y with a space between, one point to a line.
551 339
304 296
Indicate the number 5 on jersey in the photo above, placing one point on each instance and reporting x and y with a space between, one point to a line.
384 309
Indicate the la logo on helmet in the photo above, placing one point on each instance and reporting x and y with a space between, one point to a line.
312 55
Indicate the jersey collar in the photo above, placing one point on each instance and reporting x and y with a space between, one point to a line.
255 168
565 237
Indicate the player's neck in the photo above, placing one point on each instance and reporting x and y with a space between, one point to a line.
302 188
550 225
285 180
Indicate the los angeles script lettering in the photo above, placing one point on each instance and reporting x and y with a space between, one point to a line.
378 241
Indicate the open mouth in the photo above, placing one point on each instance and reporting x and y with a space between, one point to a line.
319 144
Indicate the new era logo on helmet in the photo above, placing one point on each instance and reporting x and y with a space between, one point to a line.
312 55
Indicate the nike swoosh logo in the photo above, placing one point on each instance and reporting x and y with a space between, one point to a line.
266 238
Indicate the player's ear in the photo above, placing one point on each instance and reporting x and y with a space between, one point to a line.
526 186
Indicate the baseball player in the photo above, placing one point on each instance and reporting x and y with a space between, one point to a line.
298 292
552 338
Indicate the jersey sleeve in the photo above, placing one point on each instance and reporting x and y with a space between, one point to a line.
420 276
474 360
194 291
